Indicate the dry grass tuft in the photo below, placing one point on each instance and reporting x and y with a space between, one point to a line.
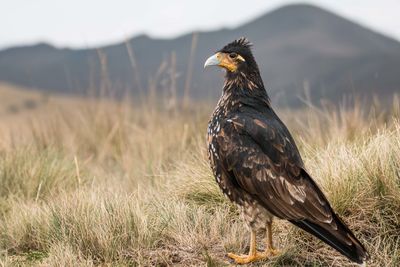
95 182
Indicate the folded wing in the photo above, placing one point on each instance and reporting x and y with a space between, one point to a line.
262 158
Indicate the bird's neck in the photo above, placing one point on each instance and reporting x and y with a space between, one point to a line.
245 88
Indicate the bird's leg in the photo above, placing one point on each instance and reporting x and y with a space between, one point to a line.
269 247
253 255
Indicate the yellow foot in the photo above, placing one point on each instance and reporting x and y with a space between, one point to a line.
243 259
270 252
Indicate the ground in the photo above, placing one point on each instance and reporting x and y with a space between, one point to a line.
95 182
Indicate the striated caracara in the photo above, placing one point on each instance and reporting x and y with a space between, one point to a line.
257 165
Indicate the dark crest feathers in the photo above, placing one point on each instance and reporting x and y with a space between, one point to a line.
242 42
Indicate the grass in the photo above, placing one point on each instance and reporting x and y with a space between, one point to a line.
87 182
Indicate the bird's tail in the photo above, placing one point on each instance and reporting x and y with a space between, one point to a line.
340 238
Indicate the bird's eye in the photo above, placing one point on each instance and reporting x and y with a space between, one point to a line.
232 55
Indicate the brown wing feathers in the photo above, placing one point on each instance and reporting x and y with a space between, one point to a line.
265 162
341 239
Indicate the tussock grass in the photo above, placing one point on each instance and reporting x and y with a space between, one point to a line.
95 182
25 174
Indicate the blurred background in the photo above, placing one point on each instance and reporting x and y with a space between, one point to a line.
319 50
103 115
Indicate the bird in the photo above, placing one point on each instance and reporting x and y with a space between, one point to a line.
257 165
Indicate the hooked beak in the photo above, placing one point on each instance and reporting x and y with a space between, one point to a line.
214 60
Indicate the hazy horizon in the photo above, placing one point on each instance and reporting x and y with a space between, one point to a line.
80 28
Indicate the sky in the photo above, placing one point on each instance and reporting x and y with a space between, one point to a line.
90 23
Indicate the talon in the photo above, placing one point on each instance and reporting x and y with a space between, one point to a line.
243 259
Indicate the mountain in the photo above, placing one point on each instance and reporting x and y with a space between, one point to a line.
296 46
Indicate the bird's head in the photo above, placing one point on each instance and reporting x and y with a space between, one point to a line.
235 57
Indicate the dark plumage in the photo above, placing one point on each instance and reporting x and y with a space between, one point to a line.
258 166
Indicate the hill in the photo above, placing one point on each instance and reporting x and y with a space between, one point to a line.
297 47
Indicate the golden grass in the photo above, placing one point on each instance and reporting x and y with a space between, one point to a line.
95 182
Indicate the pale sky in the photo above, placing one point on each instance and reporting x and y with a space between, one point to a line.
89 23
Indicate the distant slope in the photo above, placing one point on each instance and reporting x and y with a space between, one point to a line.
16 101
295 45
